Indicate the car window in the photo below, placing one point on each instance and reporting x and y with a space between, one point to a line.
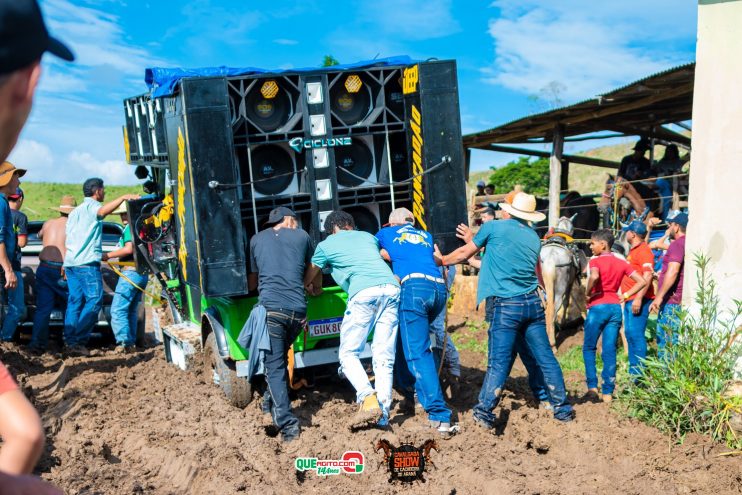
111 232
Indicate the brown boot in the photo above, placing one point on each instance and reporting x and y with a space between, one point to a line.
368 412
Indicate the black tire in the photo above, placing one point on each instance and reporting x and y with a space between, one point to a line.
237 389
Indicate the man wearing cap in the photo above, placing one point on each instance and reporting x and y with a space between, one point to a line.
480 188
422 299
9 182
128 294
16 300
84 251
670 283
373 299
509 283
636 307
279 257
24 39
635 166
50 286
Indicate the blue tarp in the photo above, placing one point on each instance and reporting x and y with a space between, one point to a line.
162 81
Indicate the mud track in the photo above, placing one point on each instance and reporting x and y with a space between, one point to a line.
134 424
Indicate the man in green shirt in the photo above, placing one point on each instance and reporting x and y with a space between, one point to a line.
373 299
125 305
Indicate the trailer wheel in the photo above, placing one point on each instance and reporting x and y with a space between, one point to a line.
237 389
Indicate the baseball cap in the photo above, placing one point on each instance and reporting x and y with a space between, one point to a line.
642 144
25 37
18 194
678 217
480 183
638 227
276 215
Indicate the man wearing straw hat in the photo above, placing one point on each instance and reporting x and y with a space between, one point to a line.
125 305
50 287
509 283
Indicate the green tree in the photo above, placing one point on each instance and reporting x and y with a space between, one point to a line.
533 176
329 61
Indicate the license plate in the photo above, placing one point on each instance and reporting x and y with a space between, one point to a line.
323 328
57 315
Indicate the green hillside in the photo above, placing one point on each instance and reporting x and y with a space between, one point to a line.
40 197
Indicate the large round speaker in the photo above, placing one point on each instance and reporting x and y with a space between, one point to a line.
398 154
268 105
365 219
357 159
272 168
350 99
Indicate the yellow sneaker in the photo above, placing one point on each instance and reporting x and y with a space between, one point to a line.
368 412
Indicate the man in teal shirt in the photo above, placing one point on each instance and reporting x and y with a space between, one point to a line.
508 282
83 253
373 299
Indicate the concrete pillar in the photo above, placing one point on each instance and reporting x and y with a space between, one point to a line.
715 200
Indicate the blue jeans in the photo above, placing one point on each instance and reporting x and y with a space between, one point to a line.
634 327
48 292
605 319
535 376
665 190
16 305
421 301
668 322
283 327
83 305
513 317
124 308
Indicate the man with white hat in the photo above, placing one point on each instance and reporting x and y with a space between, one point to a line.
49 286
423 298
509 283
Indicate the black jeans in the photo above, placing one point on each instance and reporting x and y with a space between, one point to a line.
283 327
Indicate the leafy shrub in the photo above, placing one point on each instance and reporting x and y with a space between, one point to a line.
684 392
532 175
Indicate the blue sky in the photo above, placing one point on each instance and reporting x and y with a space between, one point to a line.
508 51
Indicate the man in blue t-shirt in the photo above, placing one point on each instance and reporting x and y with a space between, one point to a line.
423 297
508 282
373 298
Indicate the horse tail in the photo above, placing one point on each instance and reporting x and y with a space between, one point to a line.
548 272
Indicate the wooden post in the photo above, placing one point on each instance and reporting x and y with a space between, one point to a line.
555 174
564 180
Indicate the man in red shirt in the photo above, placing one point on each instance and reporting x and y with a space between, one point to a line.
636 309
604 310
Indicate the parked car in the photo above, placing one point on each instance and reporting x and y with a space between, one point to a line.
30 261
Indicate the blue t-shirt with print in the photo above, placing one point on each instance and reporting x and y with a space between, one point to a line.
509 262
354 259
410 249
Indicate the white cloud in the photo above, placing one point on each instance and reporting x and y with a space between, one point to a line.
33 156
589 47
412 19
285 41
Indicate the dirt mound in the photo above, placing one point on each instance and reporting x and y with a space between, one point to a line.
134 424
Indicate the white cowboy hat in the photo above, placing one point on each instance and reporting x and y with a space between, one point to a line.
523 207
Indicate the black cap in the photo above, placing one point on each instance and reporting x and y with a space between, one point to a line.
24 36
642 144
277 214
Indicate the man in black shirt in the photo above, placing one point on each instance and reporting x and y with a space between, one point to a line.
279 257
635 166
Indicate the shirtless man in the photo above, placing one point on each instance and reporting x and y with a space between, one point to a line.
50 284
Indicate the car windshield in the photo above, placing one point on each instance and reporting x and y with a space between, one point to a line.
111 233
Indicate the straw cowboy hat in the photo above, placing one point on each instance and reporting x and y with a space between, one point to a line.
67 204
6 172
121 209
523 207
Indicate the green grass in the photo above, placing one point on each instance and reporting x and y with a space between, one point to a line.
40 197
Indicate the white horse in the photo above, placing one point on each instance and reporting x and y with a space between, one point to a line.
561 263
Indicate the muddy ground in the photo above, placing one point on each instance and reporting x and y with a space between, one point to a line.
127 424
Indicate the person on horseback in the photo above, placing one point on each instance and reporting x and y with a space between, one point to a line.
636 166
